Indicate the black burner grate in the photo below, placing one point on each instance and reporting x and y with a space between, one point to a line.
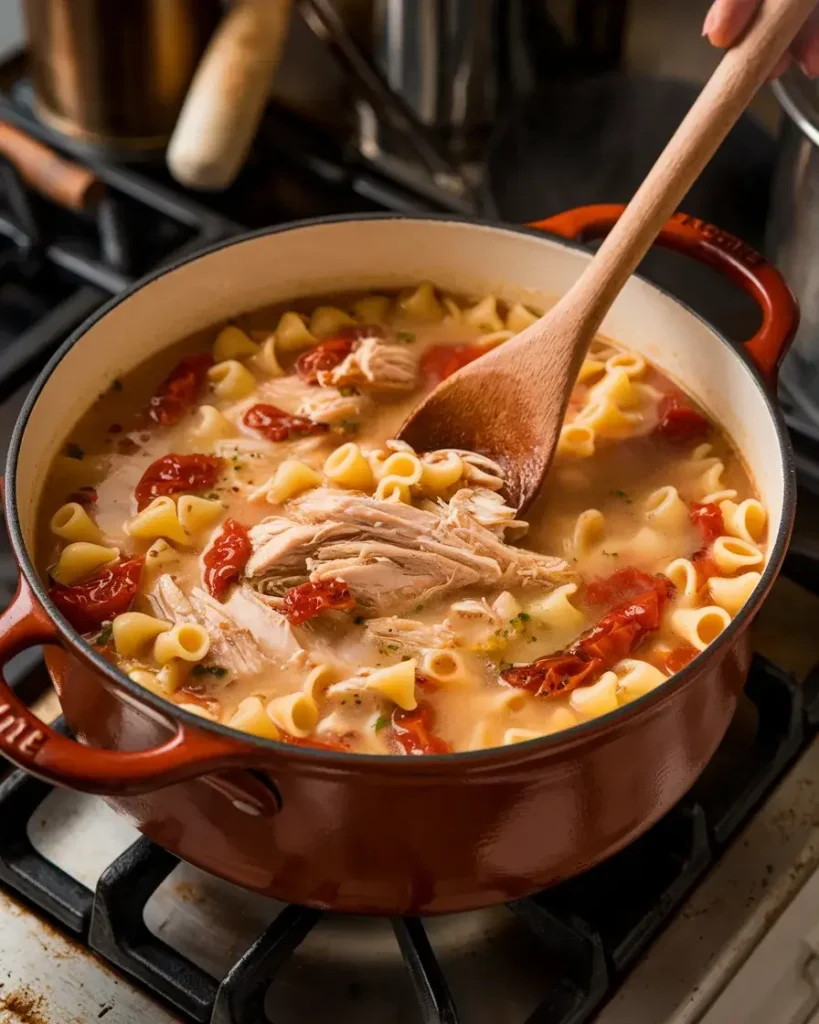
592 928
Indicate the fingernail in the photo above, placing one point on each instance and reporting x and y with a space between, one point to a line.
710 23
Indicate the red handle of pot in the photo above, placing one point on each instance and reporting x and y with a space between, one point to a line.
31 744
710 245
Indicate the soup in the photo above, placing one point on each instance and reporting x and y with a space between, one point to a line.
235 528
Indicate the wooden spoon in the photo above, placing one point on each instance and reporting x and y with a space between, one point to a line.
510 403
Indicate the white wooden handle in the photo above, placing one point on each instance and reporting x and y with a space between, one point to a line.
228 94
727 94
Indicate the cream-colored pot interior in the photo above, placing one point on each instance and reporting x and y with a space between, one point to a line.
387 253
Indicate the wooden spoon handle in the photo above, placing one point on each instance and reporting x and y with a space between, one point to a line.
727 94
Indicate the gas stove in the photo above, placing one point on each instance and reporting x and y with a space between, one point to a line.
96 922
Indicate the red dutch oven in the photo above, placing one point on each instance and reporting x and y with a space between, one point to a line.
372 834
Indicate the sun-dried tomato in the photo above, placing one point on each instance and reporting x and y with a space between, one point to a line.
177 393
678 658
412 731
614 637
441 361
331 352
626 582
277 425
108 593
226 557
708 520
324 357
175 474
308 600
678 422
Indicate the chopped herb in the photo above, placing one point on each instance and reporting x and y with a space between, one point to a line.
392 647
518 624
105 635
405 336
237 466
209 670
504 666
611 554
348 390
380 723
117 384
73 451
213 496
359 620
622 495
419 608
346 426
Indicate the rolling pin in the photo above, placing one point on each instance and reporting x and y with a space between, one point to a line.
228 94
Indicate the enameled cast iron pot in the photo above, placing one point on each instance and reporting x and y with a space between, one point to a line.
392 834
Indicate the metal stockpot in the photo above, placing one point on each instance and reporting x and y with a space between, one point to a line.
113 76
792 238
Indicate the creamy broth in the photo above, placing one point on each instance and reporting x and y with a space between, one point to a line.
233 527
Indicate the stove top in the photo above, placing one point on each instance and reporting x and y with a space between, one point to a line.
98 923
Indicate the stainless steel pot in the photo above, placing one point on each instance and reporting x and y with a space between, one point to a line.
792 237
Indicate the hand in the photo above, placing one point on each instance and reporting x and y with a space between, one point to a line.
728 19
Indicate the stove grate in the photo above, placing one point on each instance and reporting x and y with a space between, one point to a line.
594 940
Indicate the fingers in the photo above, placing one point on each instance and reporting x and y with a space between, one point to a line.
805 48
727 20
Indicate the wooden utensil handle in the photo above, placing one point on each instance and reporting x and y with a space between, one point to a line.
742 71
227 95
62 181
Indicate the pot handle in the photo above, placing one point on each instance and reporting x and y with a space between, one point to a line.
716 248
34 746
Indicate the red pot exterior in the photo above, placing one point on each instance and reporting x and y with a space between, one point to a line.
396 835
363 839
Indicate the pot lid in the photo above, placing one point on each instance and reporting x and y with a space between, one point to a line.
799 97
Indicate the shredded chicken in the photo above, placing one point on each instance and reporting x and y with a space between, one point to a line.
375 365
391 555
328 405
244 632
490 510
409 635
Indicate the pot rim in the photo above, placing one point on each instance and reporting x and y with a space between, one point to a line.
348 759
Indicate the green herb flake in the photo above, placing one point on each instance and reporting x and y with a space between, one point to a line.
622 496
379 724
346 426
504 666
348 390
406 336
611 554
105 635
73 451
209 670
